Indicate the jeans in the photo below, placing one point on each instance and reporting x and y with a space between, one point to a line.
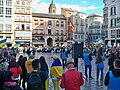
90 68
56 84
98 71
64 62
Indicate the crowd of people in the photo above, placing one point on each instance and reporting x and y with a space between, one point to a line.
29 73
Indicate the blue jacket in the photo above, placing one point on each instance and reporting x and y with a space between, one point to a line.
87 60
114 83
63 55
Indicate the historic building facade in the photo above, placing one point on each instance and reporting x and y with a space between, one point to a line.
78 19
6 21
23 21
94 27
49 29
112 21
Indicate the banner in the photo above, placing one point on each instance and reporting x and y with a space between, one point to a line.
3 42
72 26
98 41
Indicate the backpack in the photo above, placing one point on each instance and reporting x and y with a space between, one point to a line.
35 82
11 86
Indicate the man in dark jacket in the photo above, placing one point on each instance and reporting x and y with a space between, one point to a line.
112 78
36 70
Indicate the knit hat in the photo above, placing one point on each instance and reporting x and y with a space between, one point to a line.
55 57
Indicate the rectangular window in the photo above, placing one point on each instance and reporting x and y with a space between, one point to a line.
1 2
49 31
28 4
62 23
1 10
8 27
27 27
23 3
1 27
113 22
17 18
62 32
113 34
41 22
49 22
1 18
8 11
113 10
17 27
57 23
23 18
57 32
17 3
28 19
75 36
23 27
23 10
8 18
17 9
8 2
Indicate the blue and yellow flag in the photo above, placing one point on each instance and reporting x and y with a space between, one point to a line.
3 42
17 44
56 69
98 41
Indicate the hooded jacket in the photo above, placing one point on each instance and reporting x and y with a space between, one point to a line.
111 78
28 65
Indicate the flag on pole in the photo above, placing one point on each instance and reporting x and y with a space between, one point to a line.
17 44
3 42
72 26
98 41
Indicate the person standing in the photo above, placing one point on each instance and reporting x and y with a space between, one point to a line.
28 64
44 67
112 78
87 62
111 60
36 79
56 72
63 56
100 65
72 79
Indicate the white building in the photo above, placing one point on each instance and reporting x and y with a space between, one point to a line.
112 21
6 21
94 27
80 26
23 21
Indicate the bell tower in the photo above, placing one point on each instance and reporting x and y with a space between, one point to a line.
52 8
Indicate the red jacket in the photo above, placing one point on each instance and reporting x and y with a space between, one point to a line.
72 80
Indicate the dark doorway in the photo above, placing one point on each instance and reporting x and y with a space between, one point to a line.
49 42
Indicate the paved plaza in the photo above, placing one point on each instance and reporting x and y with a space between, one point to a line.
90 84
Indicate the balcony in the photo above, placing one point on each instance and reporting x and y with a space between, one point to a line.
36 33
25 21
92 27
38 40
25 13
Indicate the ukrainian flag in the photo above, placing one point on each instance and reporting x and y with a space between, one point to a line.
3 42
56 69
17 44
98 41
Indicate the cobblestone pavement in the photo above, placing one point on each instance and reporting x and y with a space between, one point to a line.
90 84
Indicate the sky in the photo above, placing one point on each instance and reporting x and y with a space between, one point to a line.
86 6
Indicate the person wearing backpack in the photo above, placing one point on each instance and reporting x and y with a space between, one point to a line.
36 79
